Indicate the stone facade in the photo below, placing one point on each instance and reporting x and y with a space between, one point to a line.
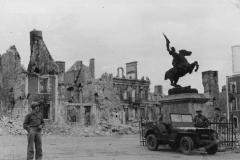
210 84
61 71
234 97
42 77
92 67
89 103
41 61
12 83
185 103
211 90
135 96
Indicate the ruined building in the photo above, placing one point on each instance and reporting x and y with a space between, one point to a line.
12 83
42 77
210 84
75 96
211 90
135 95
234 97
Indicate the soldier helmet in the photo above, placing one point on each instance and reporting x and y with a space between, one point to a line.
199 110
217 109
34 104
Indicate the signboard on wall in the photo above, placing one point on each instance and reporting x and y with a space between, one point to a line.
236 59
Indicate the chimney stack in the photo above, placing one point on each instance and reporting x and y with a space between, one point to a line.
61 67
131 70
92 67
158 89
210 84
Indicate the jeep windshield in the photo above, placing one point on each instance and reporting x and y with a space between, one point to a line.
181 118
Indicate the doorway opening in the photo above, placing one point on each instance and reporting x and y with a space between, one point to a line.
87 115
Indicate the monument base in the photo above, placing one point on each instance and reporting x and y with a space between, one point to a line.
185 103
181 90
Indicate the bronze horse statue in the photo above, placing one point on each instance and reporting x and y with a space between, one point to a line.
181 69
180 64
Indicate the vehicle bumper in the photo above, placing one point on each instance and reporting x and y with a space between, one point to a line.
211 144
206 143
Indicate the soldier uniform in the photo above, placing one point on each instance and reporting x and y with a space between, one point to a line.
31 124
219 120
200 120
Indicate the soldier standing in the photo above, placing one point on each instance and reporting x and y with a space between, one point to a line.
219 120
200 120
34 123
218 117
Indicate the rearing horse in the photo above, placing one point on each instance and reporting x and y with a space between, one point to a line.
175 73
180 64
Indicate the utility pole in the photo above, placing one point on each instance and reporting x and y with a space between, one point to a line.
227 98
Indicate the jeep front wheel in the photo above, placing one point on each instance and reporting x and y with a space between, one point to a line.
152 142
186 145
213 149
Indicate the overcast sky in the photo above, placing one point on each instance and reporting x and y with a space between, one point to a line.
116 32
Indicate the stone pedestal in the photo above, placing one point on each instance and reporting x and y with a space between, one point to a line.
184 103
181 90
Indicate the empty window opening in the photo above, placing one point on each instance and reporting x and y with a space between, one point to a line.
45 111
126 114
235 121
136 114
142 113
43 85
87 115
72 115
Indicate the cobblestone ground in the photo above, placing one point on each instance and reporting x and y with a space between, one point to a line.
98 148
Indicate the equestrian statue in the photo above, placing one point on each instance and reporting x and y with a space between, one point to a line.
180 65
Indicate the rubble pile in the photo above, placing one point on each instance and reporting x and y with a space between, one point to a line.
11 126
89 131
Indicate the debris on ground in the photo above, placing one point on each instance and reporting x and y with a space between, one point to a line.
88 131
11 126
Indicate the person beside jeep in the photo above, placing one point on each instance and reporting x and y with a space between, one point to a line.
219 118
200 120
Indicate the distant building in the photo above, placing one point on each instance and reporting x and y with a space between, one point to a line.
135 95
234 97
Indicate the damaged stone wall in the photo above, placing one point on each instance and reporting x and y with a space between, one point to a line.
61 71
42 98
42 77
92 67
41 61
100 96
211 90
72 73
12 83
108 102
210 84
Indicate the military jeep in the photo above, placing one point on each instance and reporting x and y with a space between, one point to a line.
180 132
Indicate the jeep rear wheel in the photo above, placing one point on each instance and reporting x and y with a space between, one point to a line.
174 146
213 149
152 142
186 145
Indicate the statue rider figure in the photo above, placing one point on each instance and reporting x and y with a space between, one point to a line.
179 60
180 65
